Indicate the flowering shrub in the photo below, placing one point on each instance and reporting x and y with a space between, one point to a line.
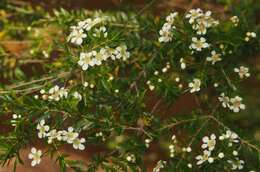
108 67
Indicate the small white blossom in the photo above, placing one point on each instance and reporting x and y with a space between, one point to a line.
171 17
70 135
45 54
235 153
215 57
102 31
35 155
160 164
86 60
85 84
151 87
165 33
183 64
42 129
187 149
205 157
77 143
131 158
195 85
230 136
224 100
15 119
221 155
199 44
121 52
209 142
237 164
56 93
174 139
236 104
53 134
189 165
147 142
91 85
78 32
77 95
172 150
193 14
242 71
234 20
250 35
201 21
77 36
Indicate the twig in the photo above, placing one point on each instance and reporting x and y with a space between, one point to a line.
52 78
228 80
146 7
156 106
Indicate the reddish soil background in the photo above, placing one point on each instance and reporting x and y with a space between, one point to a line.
185 103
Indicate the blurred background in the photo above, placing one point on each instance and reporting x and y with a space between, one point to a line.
248 121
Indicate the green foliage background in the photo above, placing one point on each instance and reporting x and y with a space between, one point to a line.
127 114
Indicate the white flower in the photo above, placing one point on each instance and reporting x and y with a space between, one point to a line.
189 165
201 28
201 21
42 91
242 72
209 142
236 104
77 36
160 164
174 138
85 84
205 157
77 95
165 36
171 17
199 44
221 155
183 64
165 33
69 135
236 164
77 143
42 129
215 57
15 119
187 149
193 14
35 155
57 93
98 59
53 134
100 31
147 142
172 150
235 153
195 85
224 99
86 59
231 136
121 52
131 158
250 35
234 20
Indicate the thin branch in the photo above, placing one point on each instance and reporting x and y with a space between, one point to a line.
228 80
